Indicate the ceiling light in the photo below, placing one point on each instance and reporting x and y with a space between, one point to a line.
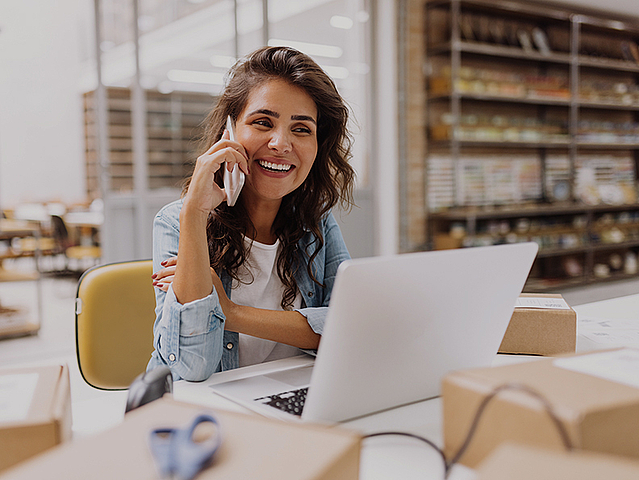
165 87
362 16
338 73
193 76
222 61
313 49
338 21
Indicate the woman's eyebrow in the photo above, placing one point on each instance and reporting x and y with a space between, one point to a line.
303 118
271 113
264 111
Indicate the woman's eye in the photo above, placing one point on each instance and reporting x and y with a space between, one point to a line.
302 130
263 123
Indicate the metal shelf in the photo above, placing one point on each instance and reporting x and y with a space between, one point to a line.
607 146
451 48
609 105
499 144
463 214
608 64
502 98
598 247
509 7
493 50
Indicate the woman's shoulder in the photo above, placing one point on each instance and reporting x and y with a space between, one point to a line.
328 220
170 213
171 209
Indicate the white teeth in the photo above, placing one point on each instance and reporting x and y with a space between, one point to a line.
279 167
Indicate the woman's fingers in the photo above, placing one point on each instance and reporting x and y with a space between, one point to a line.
169 261
163 273
164 277
163 282
232 152
204 194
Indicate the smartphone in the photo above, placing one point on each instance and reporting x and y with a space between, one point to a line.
233 180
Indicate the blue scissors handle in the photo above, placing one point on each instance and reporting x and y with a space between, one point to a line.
176 452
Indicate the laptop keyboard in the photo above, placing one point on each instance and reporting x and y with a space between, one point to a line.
290 402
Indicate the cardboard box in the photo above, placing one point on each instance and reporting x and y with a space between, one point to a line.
542 324
598 412
252 447
444 241
511 461
35 411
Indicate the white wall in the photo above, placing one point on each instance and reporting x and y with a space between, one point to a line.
41 136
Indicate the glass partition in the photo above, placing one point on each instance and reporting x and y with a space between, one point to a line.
162 64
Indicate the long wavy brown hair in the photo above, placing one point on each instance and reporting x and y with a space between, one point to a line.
329 182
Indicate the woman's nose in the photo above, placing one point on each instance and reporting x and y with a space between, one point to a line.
280 142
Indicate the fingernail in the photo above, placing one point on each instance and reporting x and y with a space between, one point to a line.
154 275
163 262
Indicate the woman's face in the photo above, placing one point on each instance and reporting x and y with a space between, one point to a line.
278 129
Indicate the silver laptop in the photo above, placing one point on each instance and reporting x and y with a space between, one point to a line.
396 325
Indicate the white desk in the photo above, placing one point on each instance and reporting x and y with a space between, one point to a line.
383 458
608 324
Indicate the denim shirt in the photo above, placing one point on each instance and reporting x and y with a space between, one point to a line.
190 339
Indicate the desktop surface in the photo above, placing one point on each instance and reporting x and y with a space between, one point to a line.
382 458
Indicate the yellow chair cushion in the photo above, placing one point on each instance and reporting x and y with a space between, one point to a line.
115 311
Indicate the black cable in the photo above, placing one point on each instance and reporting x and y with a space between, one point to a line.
478 414
511 386
412 435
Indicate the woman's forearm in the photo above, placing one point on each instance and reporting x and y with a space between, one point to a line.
289 327
192 275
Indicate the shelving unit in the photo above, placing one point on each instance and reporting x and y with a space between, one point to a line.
173 125
16 320
533 134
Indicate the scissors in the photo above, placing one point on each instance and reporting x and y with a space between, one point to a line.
178 455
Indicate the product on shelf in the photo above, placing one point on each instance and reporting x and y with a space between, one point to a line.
572 267
601 270
484 81
630 263
533 135
500 128
605 180
483 180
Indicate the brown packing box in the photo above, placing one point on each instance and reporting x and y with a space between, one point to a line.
511 461
541 331
48 420
252 447
598 414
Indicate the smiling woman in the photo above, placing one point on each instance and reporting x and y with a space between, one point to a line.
250 283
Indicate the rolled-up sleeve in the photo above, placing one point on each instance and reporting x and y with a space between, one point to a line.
187 337
316 317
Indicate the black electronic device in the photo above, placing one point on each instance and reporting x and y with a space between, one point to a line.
149 386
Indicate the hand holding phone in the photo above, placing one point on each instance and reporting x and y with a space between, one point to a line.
233 180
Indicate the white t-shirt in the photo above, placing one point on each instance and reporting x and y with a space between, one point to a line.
261 288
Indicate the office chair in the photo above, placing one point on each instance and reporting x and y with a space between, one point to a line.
114 315
70 250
